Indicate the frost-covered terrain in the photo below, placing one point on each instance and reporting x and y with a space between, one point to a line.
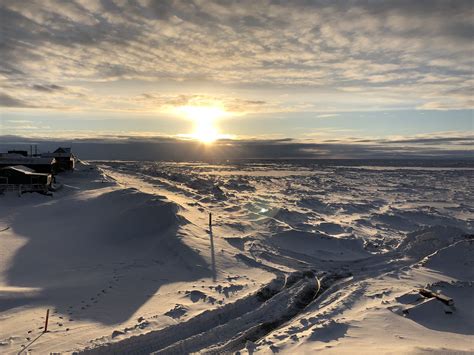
301 257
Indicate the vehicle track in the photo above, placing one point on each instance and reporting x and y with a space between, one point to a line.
229 326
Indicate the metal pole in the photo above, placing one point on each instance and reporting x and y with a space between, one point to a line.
46 322
213 252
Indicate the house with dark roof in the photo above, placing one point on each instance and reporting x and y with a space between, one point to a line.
47 165
24 179
65 159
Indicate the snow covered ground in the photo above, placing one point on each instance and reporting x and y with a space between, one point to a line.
300 258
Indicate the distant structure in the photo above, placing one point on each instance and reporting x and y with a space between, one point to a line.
24 179
19 152
64 158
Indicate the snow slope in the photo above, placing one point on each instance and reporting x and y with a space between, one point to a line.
123 257
107 261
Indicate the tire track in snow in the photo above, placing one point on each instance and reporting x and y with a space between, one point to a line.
252 316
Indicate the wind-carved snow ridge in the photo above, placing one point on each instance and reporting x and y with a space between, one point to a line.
429 240
124 258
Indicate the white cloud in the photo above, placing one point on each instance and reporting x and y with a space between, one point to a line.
393 54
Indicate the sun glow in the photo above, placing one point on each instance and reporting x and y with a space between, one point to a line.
204 118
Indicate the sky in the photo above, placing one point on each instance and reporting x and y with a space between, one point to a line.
309 72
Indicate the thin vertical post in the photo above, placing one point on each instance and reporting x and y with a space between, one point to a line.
46 321
213 252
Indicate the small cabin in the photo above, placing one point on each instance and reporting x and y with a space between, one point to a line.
24 179
64 158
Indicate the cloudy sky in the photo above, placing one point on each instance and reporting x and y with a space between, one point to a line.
312 71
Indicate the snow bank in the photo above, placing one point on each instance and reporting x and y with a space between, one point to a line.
429 240
144 216
455 261
316 205
94 254
319 245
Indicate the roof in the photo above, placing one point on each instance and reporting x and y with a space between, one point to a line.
21 160
57 155
63 150
23 169
11 155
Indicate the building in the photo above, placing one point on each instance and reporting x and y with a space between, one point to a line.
19 152
47 165
64 158
24 179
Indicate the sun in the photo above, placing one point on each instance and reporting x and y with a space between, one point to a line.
204 118
205 131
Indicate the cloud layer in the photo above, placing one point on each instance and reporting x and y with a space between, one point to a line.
326 56
450 145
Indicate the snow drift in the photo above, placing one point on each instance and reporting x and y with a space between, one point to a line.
320 246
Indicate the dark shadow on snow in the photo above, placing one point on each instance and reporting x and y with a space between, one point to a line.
100 257
330 332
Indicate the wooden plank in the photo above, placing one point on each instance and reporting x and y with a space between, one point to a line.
430 294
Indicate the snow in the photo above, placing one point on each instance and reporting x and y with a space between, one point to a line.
303 258
455 260
320 246
22 169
